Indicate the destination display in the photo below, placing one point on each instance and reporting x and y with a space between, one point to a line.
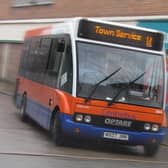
120 35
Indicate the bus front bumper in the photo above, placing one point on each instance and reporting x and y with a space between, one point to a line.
72 128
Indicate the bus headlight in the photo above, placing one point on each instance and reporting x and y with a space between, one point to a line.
155 127
79 117
147 126
87 118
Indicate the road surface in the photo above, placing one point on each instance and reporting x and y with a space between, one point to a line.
27 145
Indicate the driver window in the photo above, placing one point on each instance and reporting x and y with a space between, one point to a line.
57 49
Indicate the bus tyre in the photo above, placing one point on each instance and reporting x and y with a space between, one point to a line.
151 149
56 130
22 109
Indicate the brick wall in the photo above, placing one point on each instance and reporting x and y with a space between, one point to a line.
10 53
72 8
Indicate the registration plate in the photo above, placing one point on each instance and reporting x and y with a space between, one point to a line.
111 135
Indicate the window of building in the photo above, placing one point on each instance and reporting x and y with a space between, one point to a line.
23 3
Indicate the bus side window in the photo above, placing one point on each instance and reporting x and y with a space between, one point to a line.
24 57
36 59
43 55
57 51
33 57
54 62
30 59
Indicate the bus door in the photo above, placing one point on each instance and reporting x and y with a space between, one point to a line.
58 74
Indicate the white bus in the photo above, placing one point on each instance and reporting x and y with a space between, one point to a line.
94 79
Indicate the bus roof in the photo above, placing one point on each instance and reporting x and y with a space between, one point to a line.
49 29
104 31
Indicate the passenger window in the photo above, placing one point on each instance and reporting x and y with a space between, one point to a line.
31 59
25 54
41 56
43 62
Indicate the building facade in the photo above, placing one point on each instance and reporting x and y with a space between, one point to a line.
17 16
30 9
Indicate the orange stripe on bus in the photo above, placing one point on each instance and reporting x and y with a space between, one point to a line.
69 104
39 31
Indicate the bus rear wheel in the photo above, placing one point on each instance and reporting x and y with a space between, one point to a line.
56 130
22 109
151 149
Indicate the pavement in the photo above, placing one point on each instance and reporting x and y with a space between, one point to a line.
8 88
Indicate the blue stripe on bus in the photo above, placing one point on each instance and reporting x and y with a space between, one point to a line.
93 132
42 115
38 112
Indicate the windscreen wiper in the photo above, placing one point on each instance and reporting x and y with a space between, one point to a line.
125 88
97 84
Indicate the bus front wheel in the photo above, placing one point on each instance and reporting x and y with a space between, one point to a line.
56 130
151 149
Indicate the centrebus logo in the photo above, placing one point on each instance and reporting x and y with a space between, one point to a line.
122 115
